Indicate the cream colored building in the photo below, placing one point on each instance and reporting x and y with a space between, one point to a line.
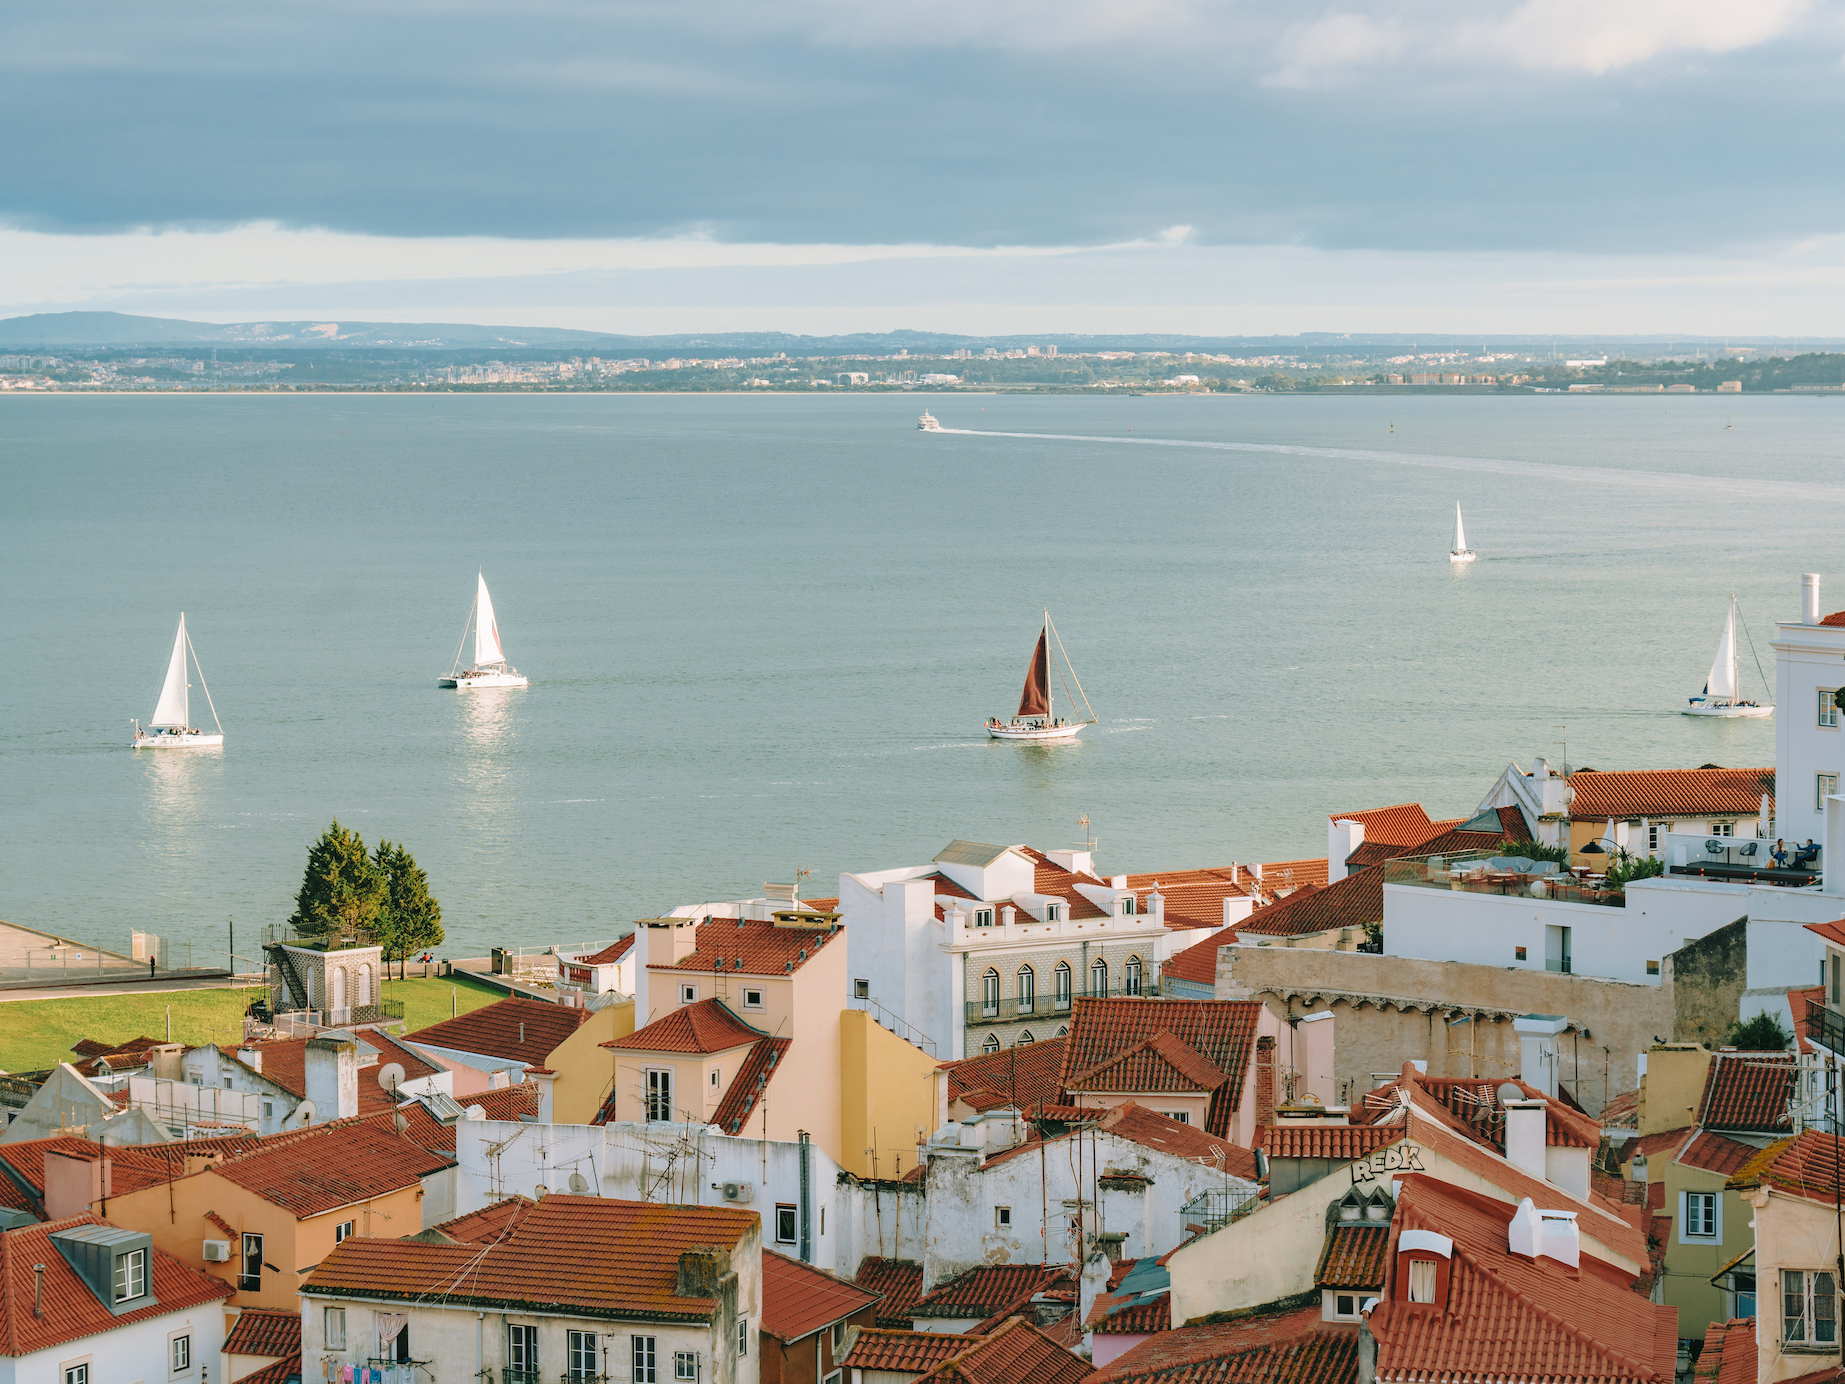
1792 1187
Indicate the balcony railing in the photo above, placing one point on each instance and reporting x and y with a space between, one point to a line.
1007 1009
508 1375
1826 1026
1214 1209
1476 872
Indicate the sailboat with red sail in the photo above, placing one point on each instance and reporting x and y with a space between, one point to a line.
1037 718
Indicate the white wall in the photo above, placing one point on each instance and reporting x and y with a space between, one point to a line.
1807 658
128 1354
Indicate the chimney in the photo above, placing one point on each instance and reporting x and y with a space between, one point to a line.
1539 1036
701 1271
73 1185
1237 908
547 1080
1553 1234
1096 1268
1008 916
1342 838
251 1058
332 1071
1525 1135
1156 904
1809 599
1265 1082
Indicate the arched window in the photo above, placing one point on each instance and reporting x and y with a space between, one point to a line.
989 992
365 985
1025 988
1063 1031
1023 1039
1061 979
1098 976
337 991
990 1043
1130 978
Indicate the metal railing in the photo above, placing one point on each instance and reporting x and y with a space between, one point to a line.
883 1018
1826 1026
1007 1008
1215 1209
1482 872
508 1375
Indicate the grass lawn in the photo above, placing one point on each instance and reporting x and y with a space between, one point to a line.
38 1033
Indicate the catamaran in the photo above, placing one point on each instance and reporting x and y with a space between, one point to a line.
490 666
1036 718
1461 553
928 422
171 727
1722 695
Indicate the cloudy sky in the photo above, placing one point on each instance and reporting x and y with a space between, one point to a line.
1221 166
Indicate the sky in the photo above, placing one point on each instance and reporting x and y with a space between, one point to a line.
1210 166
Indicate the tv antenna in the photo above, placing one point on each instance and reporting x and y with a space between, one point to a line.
1088 836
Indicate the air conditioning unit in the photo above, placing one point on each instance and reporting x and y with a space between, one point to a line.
217 1251
739 1192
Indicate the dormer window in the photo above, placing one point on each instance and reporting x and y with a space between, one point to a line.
1422 1280
1052 912
113 1264
1422 1266
1127 906
983 917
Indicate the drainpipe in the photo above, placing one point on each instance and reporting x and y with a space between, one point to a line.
38 1290
807 1239
480 1345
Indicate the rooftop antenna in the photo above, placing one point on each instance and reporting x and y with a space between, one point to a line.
800 875
1088 836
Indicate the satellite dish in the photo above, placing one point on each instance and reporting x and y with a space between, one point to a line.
541 1191
578 1183
391 1075
400 1121
305 1112
1510 1091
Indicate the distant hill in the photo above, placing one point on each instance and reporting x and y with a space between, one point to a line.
121 329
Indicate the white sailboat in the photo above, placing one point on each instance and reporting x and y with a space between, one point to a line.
1036 718
1461 553
490 666
171 727
1722 695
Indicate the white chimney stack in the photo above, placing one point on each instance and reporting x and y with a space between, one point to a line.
1553 1234
1342 838
1809 599
1525 1122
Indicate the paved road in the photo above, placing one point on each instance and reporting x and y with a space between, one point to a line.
142 987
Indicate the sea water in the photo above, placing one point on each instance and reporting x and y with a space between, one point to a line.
763 632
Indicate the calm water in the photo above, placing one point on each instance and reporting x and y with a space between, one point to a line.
763 632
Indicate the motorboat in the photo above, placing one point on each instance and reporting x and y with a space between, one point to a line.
928 422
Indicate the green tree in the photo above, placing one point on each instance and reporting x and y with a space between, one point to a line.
1763 1033
342 893
412 919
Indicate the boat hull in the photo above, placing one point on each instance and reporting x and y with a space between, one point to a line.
195 740
1461 557
1730 712
475 682
1025 732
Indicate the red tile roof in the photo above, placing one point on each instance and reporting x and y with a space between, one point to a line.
746 1088
1477 1110
1649 1146
1715 1154
504 1102
22 1186
1159 1062
1748 1091
1051 878
978 1293
488 1223
261 1332
1027 1076
1276 1348
1659 793
1511 1316
1403 824
1014 1352
1729 1354
1195 898
899 1284
1198 963
71 1310
1117 1313
705 1027
1622 1112
281 1372
798 1299
91 1047
1833 932
609 954
1222 1031
1322 1139
752 948
1512 822
591 1255
1350 902
307 1172
901 1352
1355 1256
1806 1166
513 1030
1804 1028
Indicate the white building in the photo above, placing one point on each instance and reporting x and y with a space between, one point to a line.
601 968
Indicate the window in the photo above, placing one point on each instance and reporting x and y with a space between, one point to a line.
1742 1288
180 1354
268 1108
1422 1280
1002 1217
1025 989
522 1349
1023 1038
861 989
1723 828
1052 912
1130 977
784 1224
990 1043
1828 709
1060 982
333 1328
989 992
131 1275
1698 1216
77 1374
1653 832
1834 969
659 1094
1182 1116
227 1081
743 1335
580 1354
716 1073
1063 1031
688 994
646 1365
1809 1309
1345 1305
835 1377
1127 905
983 917
342 1230
1652 968
685 1365
1518 954
1824 786
1098 976
839 1338
752 999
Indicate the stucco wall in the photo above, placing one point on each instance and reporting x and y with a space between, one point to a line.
585 1068
1390 1010
1790 1233
1708 976
1259 1259
887 1098
128 1353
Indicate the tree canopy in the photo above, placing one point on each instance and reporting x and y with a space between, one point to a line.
342 894
1763 1033
412 919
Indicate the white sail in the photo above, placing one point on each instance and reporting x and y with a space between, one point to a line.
1460 534
486 630
175 705
1722 680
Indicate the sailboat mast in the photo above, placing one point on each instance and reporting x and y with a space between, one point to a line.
1050 718
185 681
1735 686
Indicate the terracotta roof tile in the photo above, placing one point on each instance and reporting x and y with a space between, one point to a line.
1403 824
327 1166
1027 1075
1137 1299
286 1371
1512 822
1355 1256
91 1047
748 947
978 1293
1474 1104
1198 963
1729 1354
746 1088
1013 1352
488 1223
504 1102
71 1310
1275 1348
1051 878
1659 793
1195 897
708 1026
609 954
798 1299
513 1030
1833 932
1510 1316
898 1282
1748 1091
593 1255
1322 1139
1623 1112
1350 902
1151 1130
901 1352
1807 1166
1650 1146
261 1332
1159 1062
1804 1028
1715 1154
1222 1031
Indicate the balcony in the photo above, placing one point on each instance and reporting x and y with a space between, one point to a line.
1008 1010
1213 1210
1479 872
509 1375
1826 1026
